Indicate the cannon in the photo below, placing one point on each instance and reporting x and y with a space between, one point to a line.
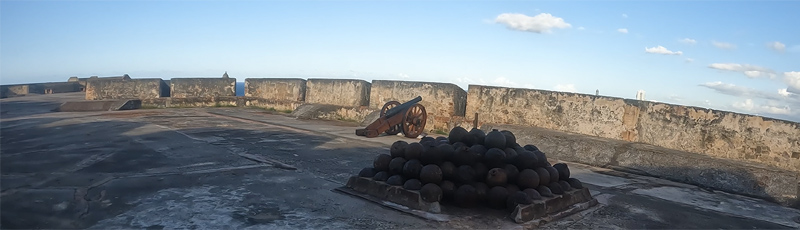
409 118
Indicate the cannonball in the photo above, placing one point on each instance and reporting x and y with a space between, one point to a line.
511 140
449 170
531 148
563 171
412 168
528 178
414 151
431 192
544 176
526 160
565 185
553 173
575 183
465 174
396 165
533 194
555 187
457 134
482 189
495 139
381 162
511 172
494 158
480 171
544 191
396 180
412 184
479 136
381 176
496 177
466 196
448 189
511 155
430 174
398 149
518 198
496 198
367 172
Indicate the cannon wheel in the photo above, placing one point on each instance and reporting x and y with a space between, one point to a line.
395 129
414 121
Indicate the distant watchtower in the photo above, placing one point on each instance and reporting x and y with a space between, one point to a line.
225 75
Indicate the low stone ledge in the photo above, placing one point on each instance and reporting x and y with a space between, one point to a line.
554 207
394 194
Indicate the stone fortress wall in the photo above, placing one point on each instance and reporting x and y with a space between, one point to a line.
764 142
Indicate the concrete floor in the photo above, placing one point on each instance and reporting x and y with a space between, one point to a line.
184 168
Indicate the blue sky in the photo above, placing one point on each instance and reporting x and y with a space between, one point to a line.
741 56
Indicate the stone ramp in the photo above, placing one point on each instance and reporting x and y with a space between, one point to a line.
704 171
103 105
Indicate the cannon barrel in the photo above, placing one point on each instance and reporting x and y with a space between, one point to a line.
403 107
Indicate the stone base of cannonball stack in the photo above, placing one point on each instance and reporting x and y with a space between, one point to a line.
394 194
541 211
553 208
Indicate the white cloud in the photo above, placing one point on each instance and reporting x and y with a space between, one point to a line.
724 45
689 60
581 28
688 41
502 81
777 46
622 30
784 92
793 80
661 50
748 106
625 15
750 71
541 23
739 91
565 88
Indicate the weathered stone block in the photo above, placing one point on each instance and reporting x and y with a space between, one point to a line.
551 205
394 194
202 87
101 89
278 89
341 92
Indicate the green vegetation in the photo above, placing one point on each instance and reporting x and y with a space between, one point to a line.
440 131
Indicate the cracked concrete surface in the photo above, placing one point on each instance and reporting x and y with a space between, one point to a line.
186 168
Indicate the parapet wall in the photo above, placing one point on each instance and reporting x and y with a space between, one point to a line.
202 87
714 133
341 92
55 87
442 101
126 89
13 90
279 89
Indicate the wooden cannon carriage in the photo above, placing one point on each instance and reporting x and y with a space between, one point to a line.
409 118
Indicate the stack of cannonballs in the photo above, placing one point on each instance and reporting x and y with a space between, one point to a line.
472 169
